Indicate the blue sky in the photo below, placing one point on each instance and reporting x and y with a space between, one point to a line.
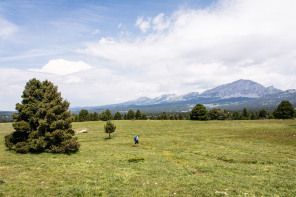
51 29
104 52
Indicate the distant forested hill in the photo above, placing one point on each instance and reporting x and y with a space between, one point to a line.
6 116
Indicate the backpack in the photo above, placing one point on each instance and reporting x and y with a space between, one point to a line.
135 138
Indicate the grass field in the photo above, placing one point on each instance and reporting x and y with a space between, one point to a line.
182 158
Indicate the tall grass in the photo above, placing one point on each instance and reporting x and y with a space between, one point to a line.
178 158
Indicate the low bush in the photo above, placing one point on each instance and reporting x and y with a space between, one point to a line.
136 159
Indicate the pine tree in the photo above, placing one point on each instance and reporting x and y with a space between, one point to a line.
254 116
144 117
130 115
214 114
117 116
103 116
164 116
285 110
138 115
43 122
246 114
109 128
262 114
95 116
125 117
108 114
83 115
199 112
236 115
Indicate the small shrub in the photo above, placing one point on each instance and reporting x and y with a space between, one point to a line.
136 159
226 159
109 128
250 161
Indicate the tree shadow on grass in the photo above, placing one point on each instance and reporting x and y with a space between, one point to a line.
292 125
38 153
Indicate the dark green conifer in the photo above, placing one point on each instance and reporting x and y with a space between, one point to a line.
109 128
43 122
199 112
117 116
138 115
285 110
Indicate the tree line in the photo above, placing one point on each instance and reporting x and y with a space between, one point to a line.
84 115
285 110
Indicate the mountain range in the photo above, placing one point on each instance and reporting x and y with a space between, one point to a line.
231 96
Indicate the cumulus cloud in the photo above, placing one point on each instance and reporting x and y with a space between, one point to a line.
63 67
206 47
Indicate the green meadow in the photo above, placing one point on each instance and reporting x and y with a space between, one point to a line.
181 158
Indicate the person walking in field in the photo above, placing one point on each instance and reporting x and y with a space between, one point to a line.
136 139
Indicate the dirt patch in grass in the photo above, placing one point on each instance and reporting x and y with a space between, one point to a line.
81 130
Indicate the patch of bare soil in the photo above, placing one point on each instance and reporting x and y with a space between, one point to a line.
81 130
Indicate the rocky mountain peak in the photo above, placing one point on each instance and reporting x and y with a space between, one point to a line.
240 88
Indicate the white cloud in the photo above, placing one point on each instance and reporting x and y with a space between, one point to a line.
144 25
230 40
63 67
160 23
6 29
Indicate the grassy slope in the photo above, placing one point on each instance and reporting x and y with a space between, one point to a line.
183 158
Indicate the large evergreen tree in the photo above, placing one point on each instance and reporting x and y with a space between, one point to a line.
108 114
199 112
138 115
130 115
262 114
83 115
95 116
117 116
43 122
246 114
285 110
